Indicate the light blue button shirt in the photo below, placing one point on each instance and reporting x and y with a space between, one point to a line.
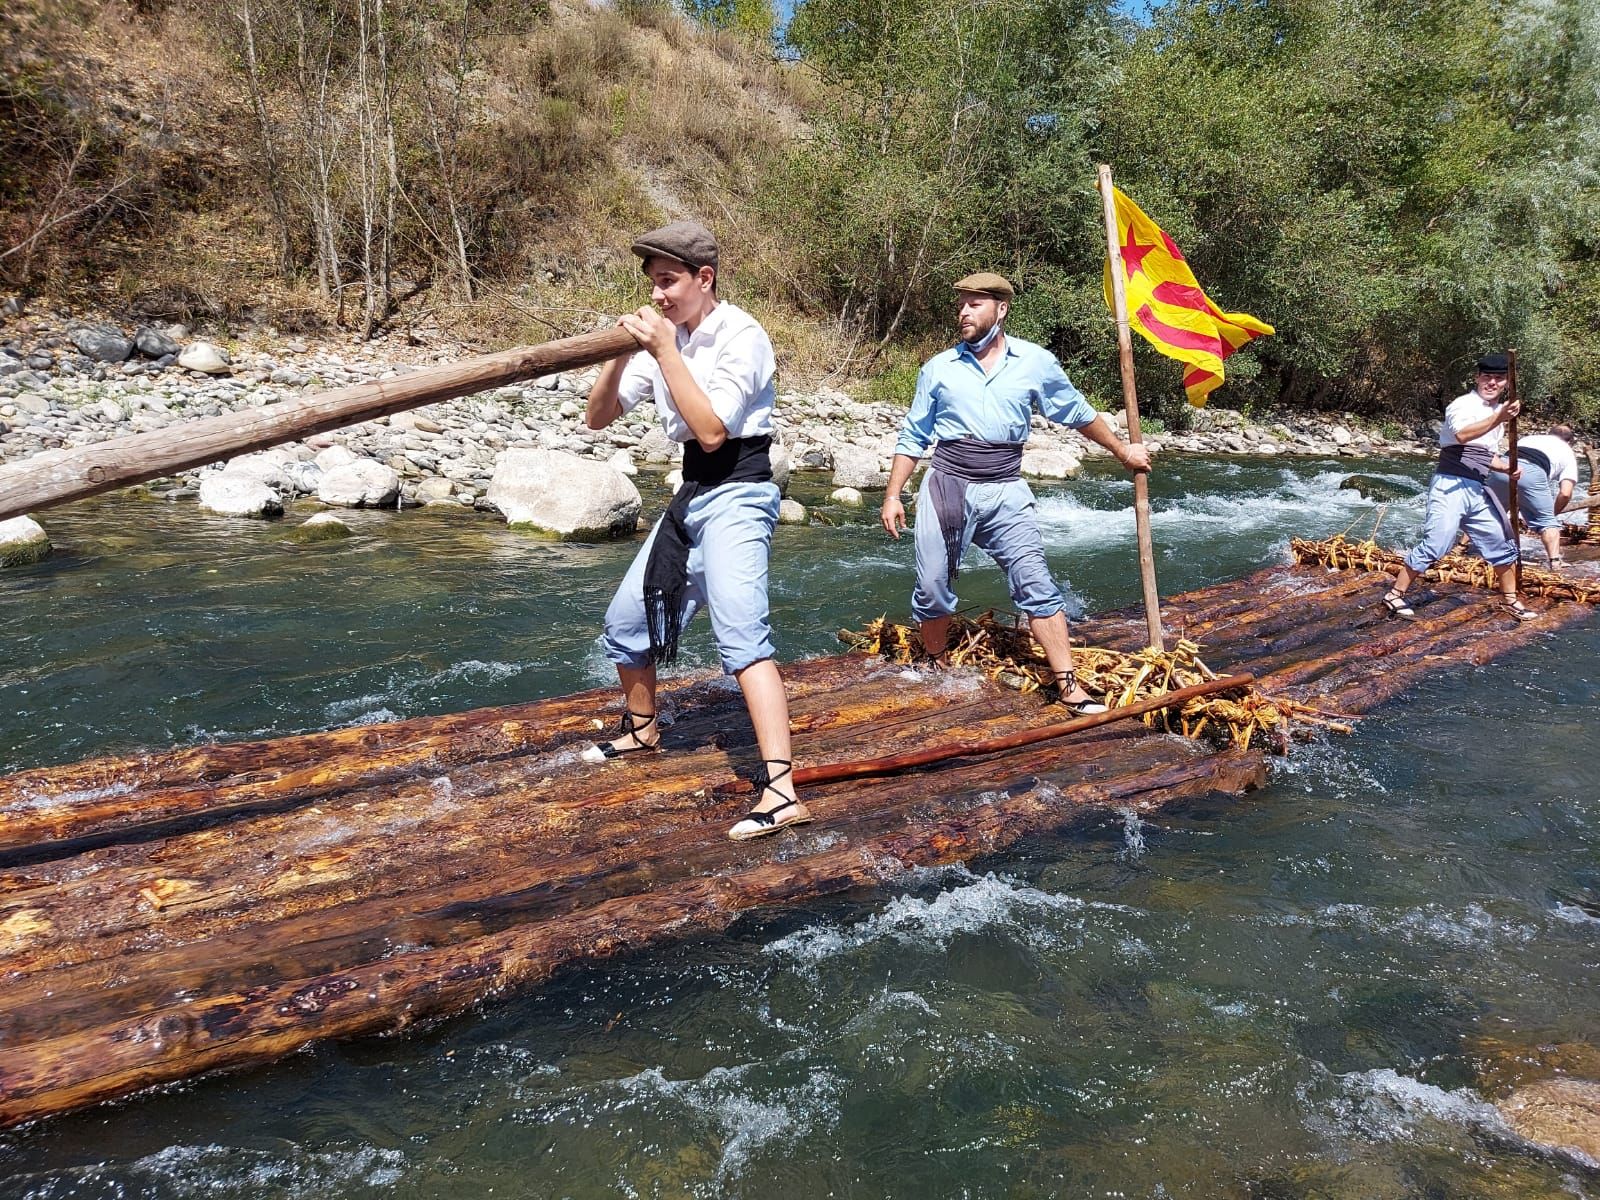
956 399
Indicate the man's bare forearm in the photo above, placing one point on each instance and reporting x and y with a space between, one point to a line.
603 406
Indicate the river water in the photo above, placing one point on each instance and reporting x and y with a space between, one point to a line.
1306 992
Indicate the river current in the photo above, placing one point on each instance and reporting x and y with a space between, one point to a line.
1307 992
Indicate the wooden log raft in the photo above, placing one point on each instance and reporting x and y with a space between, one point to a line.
57 476
199 909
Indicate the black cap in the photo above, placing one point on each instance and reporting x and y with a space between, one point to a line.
1494 364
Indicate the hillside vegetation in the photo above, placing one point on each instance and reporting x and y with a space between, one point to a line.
1395 187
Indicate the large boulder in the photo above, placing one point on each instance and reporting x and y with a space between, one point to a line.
857 467
205 358
23 542
1369 487
239 495
1050 464
101 343
362 483
571 498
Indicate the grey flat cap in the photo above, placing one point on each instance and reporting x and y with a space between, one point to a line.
690 242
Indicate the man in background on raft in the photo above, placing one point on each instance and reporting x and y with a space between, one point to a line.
1547 473
976 402
1460 499
708 365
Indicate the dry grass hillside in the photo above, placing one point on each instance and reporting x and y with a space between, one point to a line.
170 166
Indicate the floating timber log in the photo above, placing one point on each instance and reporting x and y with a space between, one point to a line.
58 476
192 910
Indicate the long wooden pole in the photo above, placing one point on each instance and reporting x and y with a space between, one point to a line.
1130 403
59 476
891 763
1511 461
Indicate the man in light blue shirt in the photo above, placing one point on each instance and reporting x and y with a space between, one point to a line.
974 403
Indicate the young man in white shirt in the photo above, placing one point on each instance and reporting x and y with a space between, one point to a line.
1547 474
1459 498
708 365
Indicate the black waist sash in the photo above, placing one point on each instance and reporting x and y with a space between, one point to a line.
1465 462
1537 457
666 572
956 464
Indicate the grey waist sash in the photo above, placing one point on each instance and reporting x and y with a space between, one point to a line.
1465 462
956 464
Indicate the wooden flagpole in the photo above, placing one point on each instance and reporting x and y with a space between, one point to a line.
1130 401
1511 461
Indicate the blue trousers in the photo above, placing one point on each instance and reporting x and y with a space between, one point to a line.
1536 496
1000 519
1455 505
730 541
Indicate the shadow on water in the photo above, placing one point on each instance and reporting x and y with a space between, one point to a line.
1282 995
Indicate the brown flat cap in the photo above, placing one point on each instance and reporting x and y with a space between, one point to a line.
988 283
687 241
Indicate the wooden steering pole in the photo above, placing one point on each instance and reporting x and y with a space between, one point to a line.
1514 512
1130 402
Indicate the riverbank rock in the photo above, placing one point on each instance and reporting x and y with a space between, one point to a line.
847 495
101 343
622 462
1563 1114
1050 464
434 491
205 358
324 527
333 456
152 343
266 467
360 483
23 542
571 498
782 466
657 448
792 512
857 467
230 495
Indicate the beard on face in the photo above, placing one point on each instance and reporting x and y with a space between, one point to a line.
980 329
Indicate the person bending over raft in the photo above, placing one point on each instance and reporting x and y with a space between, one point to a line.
708 365
1459 498
976 402
1547 473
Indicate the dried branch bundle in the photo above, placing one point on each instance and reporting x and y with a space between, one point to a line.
1340 554
1003 649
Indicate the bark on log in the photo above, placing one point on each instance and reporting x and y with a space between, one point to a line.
58 476
359 880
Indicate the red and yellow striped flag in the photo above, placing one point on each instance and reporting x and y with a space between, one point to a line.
1166 305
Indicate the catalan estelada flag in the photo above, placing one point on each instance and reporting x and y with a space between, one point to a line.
1166 305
